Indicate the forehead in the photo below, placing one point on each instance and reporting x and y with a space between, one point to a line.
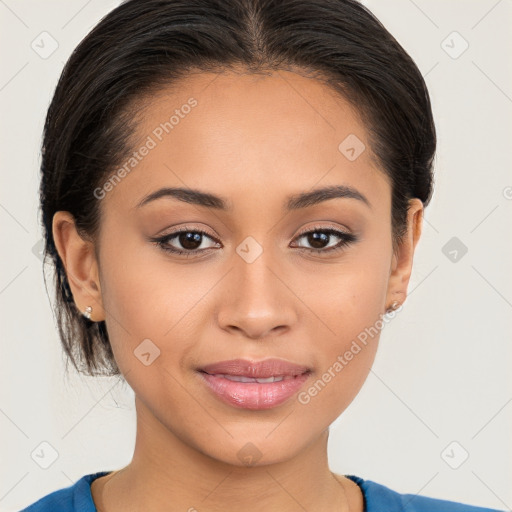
281 107
227 131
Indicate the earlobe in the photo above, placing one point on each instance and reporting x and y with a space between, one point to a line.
80 263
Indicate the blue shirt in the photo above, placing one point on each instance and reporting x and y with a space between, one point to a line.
377 498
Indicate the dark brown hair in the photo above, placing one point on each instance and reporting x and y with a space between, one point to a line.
143 46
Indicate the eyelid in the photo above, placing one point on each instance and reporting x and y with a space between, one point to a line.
316 227
324 227
189 228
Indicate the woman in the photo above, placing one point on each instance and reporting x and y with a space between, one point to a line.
232 192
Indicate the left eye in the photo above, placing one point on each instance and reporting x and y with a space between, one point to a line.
319 236
191 241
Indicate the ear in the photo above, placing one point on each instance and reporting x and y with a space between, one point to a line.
79 260
401 265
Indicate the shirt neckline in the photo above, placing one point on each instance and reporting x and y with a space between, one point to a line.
85 502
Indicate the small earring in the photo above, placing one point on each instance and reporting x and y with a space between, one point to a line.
393 306
87 312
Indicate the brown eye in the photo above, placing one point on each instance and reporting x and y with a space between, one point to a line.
189 242
319 239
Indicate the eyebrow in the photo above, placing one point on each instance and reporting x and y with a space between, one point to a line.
293 202
187 195
320 195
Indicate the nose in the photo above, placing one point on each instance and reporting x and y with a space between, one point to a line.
256 299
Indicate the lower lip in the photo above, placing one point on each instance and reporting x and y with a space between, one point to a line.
253 395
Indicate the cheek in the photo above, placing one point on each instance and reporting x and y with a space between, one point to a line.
345 353
349 296
128 293
348 303
146 297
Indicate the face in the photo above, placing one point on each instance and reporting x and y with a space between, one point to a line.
263 277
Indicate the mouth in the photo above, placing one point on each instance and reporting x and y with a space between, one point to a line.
254 385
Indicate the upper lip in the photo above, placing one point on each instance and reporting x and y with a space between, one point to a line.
256 369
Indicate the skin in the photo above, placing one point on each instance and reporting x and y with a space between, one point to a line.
254 140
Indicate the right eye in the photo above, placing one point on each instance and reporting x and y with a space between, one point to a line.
189 239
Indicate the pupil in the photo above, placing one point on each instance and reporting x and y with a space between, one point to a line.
189 239
317 239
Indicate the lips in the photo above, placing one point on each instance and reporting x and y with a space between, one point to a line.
254 385
256 369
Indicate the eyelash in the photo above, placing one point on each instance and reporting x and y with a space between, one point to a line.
346 239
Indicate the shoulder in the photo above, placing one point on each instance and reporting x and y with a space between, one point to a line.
69 499
378 497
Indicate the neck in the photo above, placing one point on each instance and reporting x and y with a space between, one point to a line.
168 473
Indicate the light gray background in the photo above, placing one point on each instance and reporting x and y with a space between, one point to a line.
442 372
